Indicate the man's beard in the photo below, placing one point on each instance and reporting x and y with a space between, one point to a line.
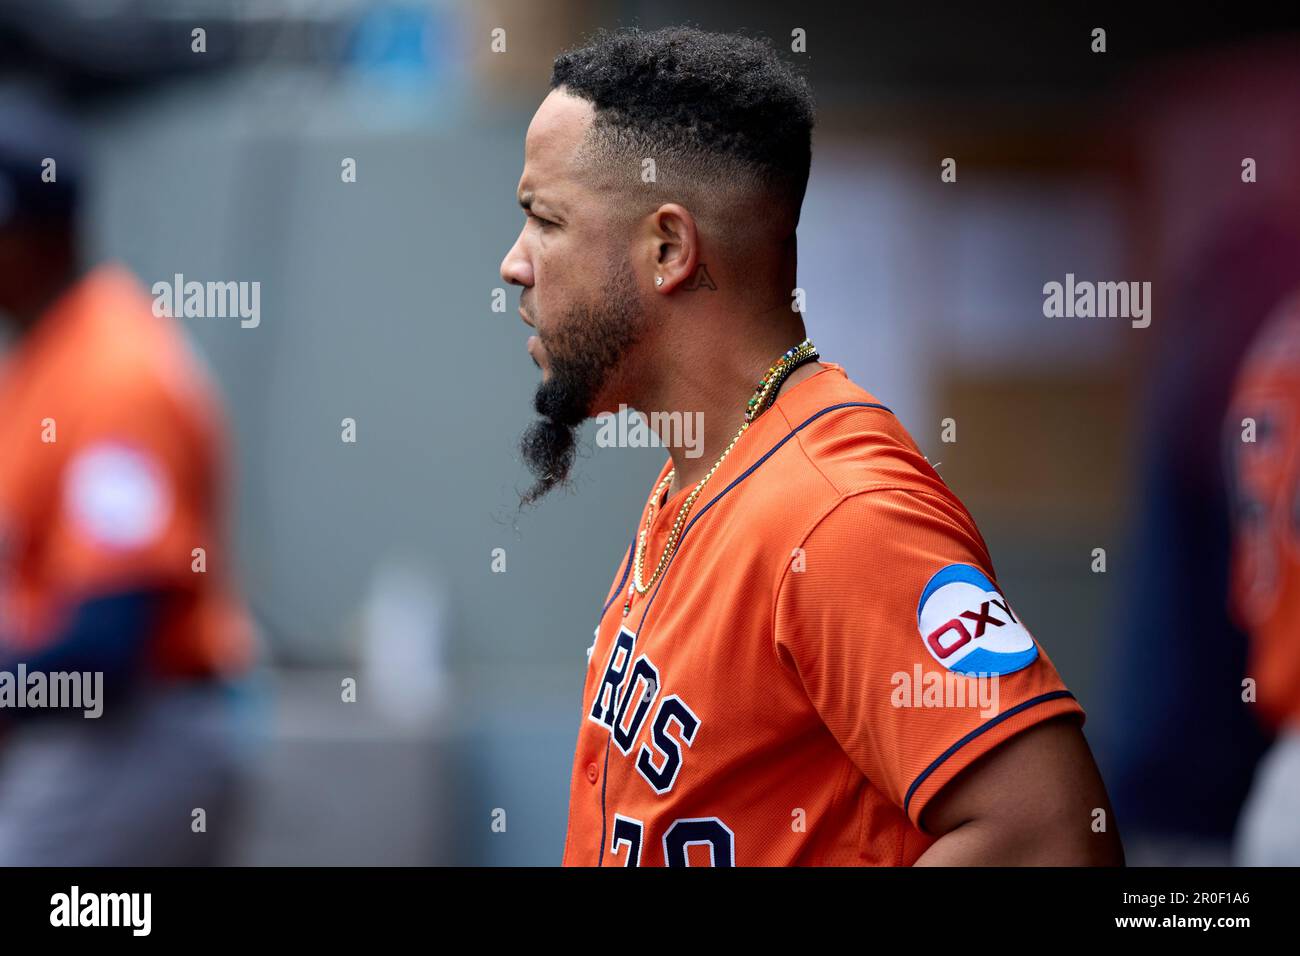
590 343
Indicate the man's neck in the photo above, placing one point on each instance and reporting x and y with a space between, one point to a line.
710 392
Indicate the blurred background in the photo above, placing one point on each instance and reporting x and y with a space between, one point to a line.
374 559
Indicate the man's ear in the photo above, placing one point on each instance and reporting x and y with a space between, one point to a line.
676 247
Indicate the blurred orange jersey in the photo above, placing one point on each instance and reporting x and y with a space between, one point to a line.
793 690
111 461
1264 449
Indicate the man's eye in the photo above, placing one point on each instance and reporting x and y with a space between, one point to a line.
544 223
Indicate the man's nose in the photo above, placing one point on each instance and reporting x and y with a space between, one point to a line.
515 267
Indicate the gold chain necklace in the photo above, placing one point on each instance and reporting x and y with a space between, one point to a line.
764 394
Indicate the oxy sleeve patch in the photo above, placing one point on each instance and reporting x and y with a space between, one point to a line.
968 627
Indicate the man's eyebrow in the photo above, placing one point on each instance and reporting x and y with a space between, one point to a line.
527 198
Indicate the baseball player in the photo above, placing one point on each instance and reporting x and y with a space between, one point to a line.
1263 437
113 565
805 657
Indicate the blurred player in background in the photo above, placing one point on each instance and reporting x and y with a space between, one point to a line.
1172 694
113 565
744 701
1263 445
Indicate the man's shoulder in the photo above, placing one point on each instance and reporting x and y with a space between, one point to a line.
838 451
845 441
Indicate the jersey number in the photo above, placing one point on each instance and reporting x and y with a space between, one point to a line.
686 832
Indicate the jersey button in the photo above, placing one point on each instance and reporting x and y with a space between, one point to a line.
593 773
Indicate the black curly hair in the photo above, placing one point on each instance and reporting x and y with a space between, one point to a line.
716 108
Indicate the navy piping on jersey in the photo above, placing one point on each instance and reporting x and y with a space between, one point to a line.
619 590
700 514
938 761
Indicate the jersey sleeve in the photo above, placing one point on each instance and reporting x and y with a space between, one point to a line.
130 500
891 619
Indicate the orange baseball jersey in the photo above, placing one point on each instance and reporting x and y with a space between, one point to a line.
111 462
1264 451
792 691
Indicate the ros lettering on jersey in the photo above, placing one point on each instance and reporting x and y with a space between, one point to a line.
674 724
672 727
